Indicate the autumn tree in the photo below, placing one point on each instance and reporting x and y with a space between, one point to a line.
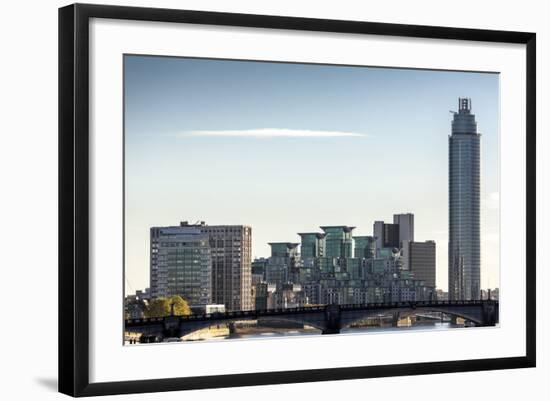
160 307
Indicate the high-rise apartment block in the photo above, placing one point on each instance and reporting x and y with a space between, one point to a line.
231 247
282 265
312 245
204 264
464 209
364 246
338 241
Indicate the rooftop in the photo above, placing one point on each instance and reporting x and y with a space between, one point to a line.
343 228
318 235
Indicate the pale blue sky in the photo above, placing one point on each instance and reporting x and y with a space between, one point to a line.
286 148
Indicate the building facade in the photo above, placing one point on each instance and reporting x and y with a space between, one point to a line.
312 245
364 246
282 266
386 234
406 227
180 264
464 201
338 241
264 296
204 264
231 249
258 270
421 261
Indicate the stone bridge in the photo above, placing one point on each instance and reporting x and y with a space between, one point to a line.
330 319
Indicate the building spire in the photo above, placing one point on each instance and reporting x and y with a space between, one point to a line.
464 105
464 121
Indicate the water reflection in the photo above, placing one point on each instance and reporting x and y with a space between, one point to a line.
253 330
305 332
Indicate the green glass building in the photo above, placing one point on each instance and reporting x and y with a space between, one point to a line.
282 265
365 247
312 245
338 241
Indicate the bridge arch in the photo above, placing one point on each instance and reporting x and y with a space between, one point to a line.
356 316
466 316
306 322
191 327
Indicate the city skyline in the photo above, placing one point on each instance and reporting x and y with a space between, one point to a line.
337 158
210 266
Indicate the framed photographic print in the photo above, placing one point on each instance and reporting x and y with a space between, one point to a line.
277 199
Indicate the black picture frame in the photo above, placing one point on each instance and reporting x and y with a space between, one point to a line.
74 198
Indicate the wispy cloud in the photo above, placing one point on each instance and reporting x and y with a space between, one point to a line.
274 133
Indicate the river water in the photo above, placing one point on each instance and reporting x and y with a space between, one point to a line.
265 333
430 326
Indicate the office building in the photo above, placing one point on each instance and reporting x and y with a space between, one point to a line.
406 227
387 235
421 261
464 198
231 249
181 264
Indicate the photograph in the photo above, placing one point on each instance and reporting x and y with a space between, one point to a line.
275 200
267 199
278 198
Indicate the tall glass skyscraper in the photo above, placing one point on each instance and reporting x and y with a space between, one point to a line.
464 193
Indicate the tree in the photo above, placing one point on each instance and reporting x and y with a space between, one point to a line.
160 307
181 307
